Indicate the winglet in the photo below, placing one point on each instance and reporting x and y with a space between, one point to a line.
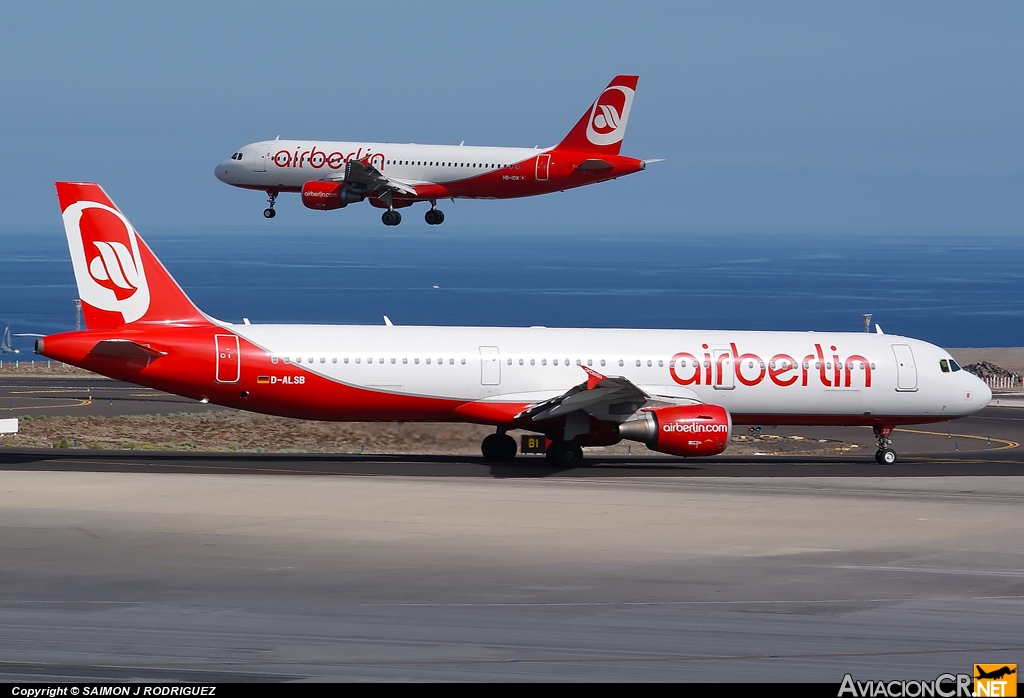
387 322
878 329
593 377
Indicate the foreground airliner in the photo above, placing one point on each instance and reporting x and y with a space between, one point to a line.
678 391
333 174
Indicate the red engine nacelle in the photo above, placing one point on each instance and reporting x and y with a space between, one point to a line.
685 430
327 196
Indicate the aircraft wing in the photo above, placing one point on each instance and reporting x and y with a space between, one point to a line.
369 179
601 396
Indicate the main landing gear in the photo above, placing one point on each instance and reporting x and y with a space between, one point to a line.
434 216
564 453
269 211
885 455
498 447
391 217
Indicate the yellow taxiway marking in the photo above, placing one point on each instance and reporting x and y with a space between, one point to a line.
1005 442
76 403
43 392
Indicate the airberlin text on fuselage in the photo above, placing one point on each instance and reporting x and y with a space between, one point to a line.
828 370
318 159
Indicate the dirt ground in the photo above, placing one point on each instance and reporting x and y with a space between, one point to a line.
1010 358
231 430
13 365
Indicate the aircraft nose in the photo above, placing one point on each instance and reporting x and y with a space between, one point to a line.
222 170
984 393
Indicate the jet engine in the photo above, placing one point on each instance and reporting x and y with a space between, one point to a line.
327 196
682 430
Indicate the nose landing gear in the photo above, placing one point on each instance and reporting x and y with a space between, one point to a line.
885 455
498 447
269 211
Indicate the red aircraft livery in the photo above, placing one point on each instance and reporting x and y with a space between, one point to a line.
678 391
333 174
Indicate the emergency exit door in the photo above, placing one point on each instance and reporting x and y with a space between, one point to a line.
490 366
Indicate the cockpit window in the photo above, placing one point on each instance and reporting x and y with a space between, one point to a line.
236 156
944 365
954 366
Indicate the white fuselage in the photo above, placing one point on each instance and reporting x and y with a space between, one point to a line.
786 377
288 164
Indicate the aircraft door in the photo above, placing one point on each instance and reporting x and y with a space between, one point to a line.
542 167
490 366
262 157
229 365
906 369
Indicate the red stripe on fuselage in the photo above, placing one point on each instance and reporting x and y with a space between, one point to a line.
519 180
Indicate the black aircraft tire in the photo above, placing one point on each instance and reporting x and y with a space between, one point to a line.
565 454
508 448
491 448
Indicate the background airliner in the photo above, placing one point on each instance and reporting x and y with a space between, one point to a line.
334 174
678 391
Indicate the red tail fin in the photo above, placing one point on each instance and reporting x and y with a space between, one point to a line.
119 279
603 127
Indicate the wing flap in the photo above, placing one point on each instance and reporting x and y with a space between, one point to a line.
600 396
369 179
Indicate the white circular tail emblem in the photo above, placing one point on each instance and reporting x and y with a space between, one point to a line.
608 116
105 256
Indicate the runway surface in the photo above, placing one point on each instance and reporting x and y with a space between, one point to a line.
220 567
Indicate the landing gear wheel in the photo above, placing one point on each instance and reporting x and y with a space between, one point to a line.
885 456
565 453
391 217
434 216
489 448
269 213
498 448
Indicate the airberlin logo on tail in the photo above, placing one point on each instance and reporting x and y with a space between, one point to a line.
105 255
114 268
608 116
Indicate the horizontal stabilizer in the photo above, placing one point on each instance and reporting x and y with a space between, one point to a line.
594 164
127 349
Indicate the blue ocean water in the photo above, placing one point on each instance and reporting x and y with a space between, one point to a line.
953 288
